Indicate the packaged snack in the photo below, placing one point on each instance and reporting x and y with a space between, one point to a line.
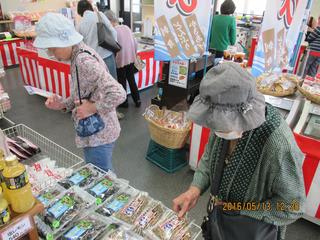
47 196
62 211
149 218
239 57
120 234
130 212
117 202
87 228
82 177
105 187
227 55
170 227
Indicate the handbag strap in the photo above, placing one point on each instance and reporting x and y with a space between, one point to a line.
218 174
77 72
99 17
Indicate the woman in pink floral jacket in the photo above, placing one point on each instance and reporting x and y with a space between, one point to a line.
57 34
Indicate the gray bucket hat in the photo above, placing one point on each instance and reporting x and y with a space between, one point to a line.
228 100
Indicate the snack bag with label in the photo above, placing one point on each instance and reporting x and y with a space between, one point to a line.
116 203
82 177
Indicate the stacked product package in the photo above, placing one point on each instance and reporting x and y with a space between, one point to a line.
93 204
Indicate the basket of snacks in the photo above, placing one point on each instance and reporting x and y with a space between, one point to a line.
278 85
311 89
167 128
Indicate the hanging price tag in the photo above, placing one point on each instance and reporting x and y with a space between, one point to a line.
18 230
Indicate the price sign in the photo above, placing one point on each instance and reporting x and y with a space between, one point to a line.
18 230
178 73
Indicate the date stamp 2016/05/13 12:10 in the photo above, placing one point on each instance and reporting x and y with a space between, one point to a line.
280 206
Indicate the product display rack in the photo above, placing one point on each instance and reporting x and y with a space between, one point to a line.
62 156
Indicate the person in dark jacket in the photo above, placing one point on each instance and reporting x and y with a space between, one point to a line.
223 31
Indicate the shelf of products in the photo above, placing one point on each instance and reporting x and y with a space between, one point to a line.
88 202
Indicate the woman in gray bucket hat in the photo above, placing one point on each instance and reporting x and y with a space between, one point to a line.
252 164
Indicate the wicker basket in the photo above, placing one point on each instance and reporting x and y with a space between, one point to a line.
283 93
309 96
167 137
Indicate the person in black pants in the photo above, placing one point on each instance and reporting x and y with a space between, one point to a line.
125 58
125 74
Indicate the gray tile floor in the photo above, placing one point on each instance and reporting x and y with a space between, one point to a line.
129 155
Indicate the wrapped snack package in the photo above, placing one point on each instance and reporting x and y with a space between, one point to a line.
105 187
116 232
167 118
116 203
239 57
170 227
82 177
49 195
61 212
227 55
87 228
149 218
132 210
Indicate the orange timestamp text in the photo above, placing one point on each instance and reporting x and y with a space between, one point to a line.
294 206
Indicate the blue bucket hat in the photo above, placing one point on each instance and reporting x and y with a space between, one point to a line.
55 30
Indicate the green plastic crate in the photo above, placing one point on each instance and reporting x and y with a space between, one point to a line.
170 160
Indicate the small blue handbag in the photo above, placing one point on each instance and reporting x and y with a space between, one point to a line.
92 124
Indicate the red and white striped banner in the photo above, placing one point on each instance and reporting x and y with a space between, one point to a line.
8 50
311 164
54 77
150 74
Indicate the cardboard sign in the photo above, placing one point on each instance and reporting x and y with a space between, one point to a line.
168 36
18 230
196 33
182 29
269 48
182 34
178 73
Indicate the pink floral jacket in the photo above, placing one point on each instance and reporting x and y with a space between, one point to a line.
103 89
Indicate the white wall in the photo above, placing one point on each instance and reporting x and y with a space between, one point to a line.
115 6
315 9
248 6
17 5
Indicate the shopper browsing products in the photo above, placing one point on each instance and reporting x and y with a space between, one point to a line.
95 119
88 29
224 30
252 164
125 58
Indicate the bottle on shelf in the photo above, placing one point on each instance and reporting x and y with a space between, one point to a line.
4 210
18 186
2 167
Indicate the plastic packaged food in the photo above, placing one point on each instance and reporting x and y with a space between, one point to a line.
149 217
116 203
82 177
87 228
105 187
62 211
171 227
4 210
116 232
132 210
47 196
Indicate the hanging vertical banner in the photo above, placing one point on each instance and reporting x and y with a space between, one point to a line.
282 24
182 28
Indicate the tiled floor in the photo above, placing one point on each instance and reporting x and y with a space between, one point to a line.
129 155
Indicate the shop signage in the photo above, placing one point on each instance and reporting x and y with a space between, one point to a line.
178 73
182 28
18 230
283 21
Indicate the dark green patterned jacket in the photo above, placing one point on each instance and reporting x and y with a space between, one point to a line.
265 169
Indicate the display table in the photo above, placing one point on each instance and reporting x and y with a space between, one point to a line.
54 77
8 50
311 165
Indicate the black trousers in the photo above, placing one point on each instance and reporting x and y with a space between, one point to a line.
125 74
